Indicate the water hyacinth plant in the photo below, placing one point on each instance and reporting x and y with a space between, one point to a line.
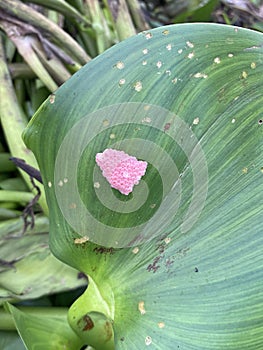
177 262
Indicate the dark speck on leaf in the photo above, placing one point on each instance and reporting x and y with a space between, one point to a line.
154 267
169 262
167 126
102 250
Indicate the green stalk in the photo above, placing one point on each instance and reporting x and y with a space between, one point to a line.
28 15
78 4
54 66
7 322
13 124
137 15
123 22
93 9
25 47
20 71
20 90
63 7
15 196
6 213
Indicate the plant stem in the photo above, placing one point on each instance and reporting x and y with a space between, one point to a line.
15 196
13 123
137 15
63 7
27 14
7 323
124 24
21 70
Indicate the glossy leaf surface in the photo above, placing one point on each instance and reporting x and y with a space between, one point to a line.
181 268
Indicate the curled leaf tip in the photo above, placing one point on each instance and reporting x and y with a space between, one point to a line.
121 170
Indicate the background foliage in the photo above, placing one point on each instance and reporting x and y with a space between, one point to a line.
43 43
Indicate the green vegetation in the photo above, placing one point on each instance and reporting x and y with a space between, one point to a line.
180 269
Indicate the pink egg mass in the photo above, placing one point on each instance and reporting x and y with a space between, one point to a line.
121 170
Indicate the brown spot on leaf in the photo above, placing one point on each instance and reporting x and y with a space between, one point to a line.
86 322
103 250
108 330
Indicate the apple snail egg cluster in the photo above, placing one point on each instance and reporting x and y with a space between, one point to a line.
121 170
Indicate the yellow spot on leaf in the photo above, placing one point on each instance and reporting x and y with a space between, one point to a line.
167 240
121 81
141 308
135 250
200 75
146 120
81 240
217 60
196 121
120 65
161 324
245 170
159 64
137 86
52 98
105 122
189 44
244 75
148 340
148 36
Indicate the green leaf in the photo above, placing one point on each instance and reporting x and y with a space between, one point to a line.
27 268
179 262
197 11
42 332
11 341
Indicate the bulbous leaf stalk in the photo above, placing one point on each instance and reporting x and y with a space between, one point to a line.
92 319
95 329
